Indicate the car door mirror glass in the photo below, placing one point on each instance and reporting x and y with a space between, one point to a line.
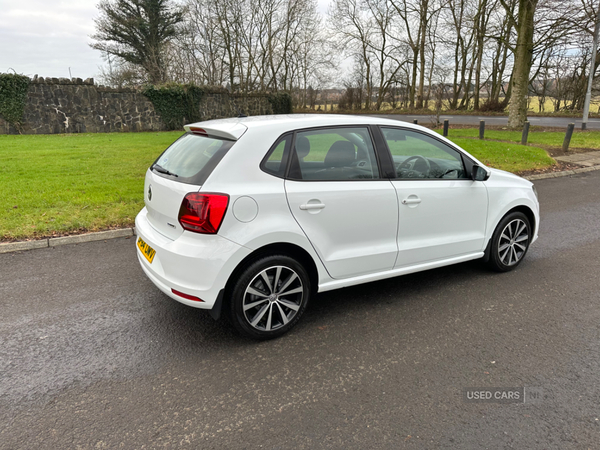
479 173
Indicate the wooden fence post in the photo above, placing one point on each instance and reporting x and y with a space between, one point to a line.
568 137
525 134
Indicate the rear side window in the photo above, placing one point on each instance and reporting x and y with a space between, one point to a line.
333 154
276 160
191 158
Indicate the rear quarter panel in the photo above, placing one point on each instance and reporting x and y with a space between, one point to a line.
239 175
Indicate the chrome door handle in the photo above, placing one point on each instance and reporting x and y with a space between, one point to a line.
309 206
411 201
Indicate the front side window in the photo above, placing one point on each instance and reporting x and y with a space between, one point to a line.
333 154
191 158
418 156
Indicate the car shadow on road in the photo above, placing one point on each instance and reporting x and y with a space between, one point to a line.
190 330
398 292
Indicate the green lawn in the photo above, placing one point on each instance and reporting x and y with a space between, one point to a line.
506 156
58 184
580 139
73 182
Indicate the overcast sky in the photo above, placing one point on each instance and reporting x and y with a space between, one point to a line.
47 37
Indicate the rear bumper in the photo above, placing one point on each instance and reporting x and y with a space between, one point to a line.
197 265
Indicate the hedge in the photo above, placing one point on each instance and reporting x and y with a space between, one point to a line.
13 97
176 103
281 102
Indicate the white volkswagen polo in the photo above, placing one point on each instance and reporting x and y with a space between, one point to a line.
251 217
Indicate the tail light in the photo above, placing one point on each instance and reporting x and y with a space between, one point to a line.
203 212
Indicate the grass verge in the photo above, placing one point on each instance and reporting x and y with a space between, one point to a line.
62 184
506 156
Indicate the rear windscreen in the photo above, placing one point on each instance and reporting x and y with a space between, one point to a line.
191 158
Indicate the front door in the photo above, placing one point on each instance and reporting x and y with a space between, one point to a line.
442 211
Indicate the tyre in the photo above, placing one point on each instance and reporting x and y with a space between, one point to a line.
269 297
510 242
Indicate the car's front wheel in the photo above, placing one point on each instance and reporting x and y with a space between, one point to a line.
510 242
269 297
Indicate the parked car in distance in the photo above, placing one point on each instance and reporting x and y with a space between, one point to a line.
252 217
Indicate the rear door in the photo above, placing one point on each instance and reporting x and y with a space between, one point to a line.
337 196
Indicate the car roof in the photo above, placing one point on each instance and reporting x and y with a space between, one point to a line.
234 127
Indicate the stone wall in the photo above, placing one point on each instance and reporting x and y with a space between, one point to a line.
61 105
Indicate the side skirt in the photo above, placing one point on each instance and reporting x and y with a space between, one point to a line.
336 284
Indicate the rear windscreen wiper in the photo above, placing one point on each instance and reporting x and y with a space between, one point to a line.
163 170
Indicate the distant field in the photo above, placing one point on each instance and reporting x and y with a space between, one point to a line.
59 184
533 108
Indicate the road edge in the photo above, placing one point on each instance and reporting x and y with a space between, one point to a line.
9 247
564 173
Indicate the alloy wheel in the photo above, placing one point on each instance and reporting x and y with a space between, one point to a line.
273 298
513 242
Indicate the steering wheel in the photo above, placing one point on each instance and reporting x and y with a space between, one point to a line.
405 165
449 171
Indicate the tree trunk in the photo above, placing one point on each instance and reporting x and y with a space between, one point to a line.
517 109
413 80
422 58
481 25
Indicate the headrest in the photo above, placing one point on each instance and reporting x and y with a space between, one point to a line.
340 154
302 146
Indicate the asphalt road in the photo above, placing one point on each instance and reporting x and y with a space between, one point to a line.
558 122
93 356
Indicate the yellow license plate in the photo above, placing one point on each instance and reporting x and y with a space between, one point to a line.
146 250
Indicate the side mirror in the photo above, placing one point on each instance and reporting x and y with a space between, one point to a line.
479 173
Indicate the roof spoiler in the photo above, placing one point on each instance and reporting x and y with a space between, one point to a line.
229 131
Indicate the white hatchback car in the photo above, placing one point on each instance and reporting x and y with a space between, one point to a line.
251 217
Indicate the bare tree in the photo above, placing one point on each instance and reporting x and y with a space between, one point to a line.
252 45
416 16
367 31
480 54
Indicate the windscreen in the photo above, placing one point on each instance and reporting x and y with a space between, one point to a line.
191 158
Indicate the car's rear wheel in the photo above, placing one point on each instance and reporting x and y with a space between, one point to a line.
269 297
510 242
